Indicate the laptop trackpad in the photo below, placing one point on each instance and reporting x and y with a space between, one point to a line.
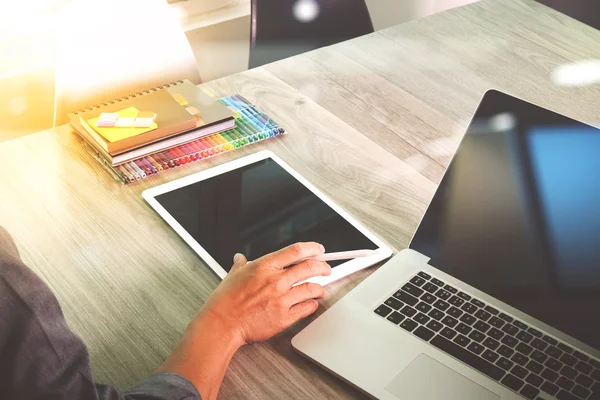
426 378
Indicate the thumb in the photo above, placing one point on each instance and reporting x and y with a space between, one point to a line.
239 260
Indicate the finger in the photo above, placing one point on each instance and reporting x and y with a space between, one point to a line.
287 256
306 269
239 260
303 310
306 291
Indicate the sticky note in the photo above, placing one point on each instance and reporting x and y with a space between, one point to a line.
107 119
192 110
144 119
180 99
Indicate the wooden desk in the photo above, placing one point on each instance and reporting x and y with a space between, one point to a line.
373 123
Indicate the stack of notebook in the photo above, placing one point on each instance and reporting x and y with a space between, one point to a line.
136 153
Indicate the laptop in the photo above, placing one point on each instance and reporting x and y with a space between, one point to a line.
498 294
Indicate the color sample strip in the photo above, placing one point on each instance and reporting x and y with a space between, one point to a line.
252 126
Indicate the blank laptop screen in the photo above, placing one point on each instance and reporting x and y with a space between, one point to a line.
517 214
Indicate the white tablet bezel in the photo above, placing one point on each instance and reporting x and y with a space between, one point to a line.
340 271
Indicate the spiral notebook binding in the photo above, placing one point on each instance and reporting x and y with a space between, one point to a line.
129 96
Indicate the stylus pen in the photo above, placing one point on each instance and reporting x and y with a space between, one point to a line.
342 255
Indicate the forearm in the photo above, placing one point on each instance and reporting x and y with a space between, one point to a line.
203 355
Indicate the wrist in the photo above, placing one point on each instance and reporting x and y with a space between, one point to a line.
213 325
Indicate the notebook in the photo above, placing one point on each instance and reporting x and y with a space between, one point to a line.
173 118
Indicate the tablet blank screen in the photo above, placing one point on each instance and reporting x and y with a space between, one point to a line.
255 210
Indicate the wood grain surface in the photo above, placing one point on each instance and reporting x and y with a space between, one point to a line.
373 123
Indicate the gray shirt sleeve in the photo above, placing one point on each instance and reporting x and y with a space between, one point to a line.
41 358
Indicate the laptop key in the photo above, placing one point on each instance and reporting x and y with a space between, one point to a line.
442 294
510 329
428 298
538 356
408 324
534 380
450 289
581 391
491 310
549 375
462 340
564 395
417 281
581 356
441 305
483 315
467 357
584 368
520 325
394 303
408 311
449 321
490 356
596 374
519 372
395 317
504 363
424 275
550 388
383 310
448 333
468 307
475 348
412 289
553 352
436 314
584 380
505 317
464 329
512 382
569 360
524 348
456 301
538 344
477 336
495 333
535 332
424 333
434 325
406 298
468 319
509 341
477 303
529 392
565 383
430 287
550 340
524 336
565 348
505 351
519 359
534 367
553 364
496 322
568 372
454 312
595 364
491 343
481 326
422 318
423 307
464 296
437 282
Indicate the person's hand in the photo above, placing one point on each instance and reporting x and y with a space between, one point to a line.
258 299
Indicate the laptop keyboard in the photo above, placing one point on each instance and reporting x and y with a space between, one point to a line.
509 351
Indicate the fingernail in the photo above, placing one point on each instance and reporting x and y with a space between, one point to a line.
322 248
236 257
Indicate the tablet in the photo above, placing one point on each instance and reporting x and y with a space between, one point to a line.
256 205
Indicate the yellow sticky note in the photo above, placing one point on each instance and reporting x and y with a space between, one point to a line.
114 134
180 99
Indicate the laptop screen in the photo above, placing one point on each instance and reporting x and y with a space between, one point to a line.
517 214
